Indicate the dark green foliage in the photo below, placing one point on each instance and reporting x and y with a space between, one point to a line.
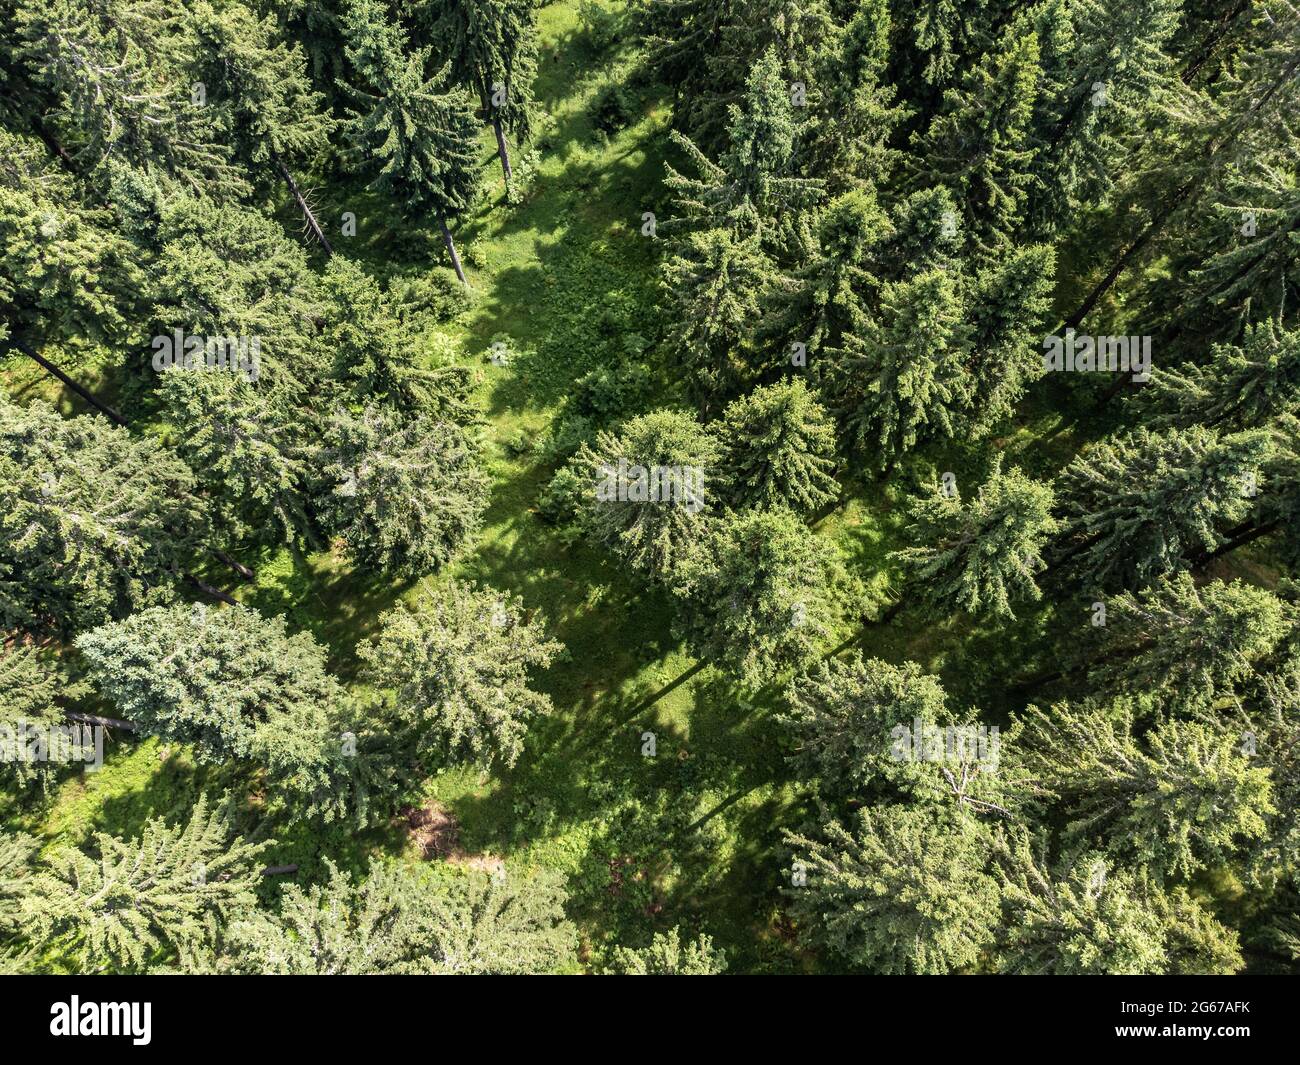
758 594
402 495
1136 506
778 450
458 663
93 521
978 556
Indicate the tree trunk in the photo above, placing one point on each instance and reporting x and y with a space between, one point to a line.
1187 192
307 214
45 364
238 567
107 722
208 589
1235 542
451 250
502 150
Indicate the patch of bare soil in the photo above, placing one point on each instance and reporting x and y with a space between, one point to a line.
436 832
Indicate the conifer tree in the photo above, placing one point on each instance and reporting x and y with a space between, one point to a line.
616 471
979 556
491 46
829 298
1010 301
753 182
29 687
1096 918
905 890
236 685
856 113
94 523
1187 644
250 462
757 593
1111 72
458 662
778 449
18 853
715 284
667 955
842 717
1180 798
272 116
908 380
65 272
374 353
980 145
416 133
1240 387
129 904
227 271
404 496
119 74
339 928
1134 506
503 924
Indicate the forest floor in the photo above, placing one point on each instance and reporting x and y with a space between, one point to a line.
692 835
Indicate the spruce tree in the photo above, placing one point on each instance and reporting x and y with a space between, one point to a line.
714 285
978 556
907 378
758 594
458 662
1096 918
403 495
980 145
1111 74
1010 301
1241 386
270 113
1136 505
251 463
1176 800
842 715
856 112
618 474
416 133
667 955
1187 644
66 272
778 450
491 46
236 685
127 905
903 890
94 523
338 928
502 924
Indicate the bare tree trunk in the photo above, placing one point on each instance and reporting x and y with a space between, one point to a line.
306 210
107 722
238 567
451 249
208 589
45 364
502 150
